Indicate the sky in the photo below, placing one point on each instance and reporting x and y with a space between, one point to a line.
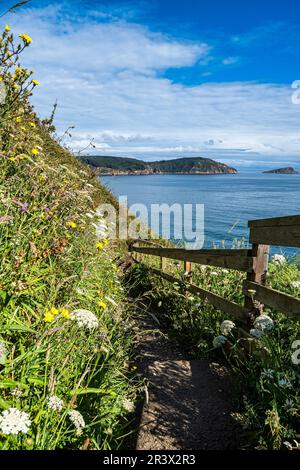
167 79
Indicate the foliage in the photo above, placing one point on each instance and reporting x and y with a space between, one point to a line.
52 266
268 379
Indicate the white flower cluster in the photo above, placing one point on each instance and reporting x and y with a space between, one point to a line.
278 259
256 333
14 421
263 322
226 327
128 405
85 319
295 284
77 419
267 373
219 341
55 403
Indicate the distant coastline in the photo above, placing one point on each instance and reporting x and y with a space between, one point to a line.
123 166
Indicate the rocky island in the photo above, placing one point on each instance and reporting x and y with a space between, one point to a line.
289 170
109 166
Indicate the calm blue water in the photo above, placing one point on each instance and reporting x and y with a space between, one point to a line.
229 200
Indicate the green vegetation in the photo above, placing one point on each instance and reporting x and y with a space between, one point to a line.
178 165
268 380
64 342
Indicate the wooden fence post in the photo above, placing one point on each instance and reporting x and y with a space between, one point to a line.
260 253
188 270
162 263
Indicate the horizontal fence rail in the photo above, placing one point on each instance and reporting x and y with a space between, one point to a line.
220 258
279 231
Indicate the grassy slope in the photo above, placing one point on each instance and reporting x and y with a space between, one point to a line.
49 258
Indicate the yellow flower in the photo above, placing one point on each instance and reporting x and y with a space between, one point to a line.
65 313
18 71
48 317
23 128
71 224
99 246
35 82
102 304
34 151
42 177
54 311
18 119
7 28
27 39
32 124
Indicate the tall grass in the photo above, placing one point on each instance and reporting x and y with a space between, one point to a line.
53 273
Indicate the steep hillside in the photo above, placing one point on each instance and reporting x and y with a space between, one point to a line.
64 341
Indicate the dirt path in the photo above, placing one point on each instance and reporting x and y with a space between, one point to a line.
188 403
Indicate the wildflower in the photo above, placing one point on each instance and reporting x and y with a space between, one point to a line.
35 151
85 318
13 421
35 82
54 311
77 419
284 383
48 316
71 224
128 405
55 403
296 284
219 341
99 246
226 327
214 273
17 393
3 352
288 445
7 28
79 291
27 39
102 304
278 259
32 124
65 313
263 322
267 373
256 333
18 119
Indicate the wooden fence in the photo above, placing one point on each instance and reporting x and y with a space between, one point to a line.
280 231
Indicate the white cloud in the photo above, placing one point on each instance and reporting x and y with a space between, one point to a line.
108 79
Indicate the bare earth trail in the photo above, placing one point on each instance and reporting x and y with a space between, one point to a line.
188 403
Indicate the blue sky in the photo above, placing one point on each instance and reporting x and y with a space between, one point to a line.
165 79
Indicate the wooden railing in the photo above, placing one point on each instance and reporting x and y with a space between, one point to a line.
280 231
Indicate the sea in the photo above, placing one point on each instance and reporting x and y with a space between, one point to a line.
229 200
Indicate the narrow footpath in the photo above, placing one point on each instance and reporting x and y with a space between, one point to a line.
188 403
